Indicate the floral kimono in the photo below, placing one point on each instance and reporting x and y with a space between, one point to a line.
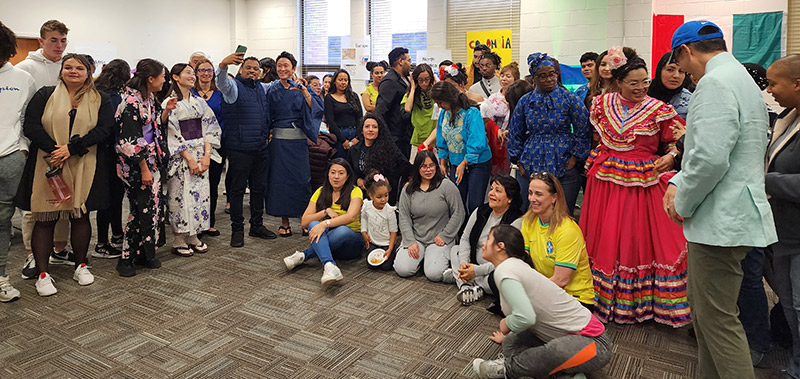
141 137
191 125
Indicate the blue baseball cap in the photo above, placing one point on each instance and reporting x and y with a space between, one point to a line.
688 32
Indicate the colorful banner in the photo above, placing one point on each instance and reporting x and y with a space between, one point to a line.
499 41
757 37
664 25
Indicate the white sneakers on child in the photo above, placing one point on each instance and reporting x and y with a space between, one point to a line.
82 275
294 260
44 285
7 291
331 274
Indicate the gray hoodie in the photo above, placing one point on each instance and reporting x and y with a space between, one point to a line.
44 71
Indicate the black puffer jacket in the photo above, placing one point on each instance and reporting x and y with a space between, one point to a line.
318 156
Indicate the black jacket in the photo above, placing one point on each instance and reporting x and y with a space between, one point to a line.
390 93
99 135
783 180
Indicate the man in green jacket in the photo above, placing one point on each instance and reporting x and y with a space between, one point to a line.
719 194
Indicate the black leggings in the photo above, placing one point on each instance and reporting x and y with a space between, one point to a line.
214 175
111 216
42 240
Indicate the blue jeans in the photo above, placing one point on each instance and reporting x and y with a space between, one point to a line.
787 286
752 302
348 133
473 184
570 182
341 242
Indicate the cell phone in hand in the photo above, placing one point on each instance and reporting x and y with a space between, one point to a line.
241 49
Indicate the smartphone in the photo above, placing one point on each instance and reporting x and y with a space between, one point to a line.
241 49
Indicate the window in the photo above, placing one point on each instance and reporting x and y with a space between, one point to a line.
398 23
325 22
468 15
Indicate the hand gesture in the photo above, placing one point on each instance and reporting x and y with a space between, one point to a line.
205 163
172 103
571 163
413 251
316 232
438 241
460 172
331 213
233 59
194 168
466 272
366 241
147 177
669 204
678 129
59 155
664 163
498 337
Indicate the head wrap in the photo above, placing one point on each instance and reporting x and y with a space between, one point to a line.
758 73
539 60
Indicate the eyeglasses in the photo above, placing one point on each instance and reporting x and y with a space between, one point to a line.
644 83
205 71
431 166
546 75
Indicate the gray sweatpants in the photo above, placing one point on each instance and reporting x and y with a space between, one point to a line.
528 356
433 258
10 173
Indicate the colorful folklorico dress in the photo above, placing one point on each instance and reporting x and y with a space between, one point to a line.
638 254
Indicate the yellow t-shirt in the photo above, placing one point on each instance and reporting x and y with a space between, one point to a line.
354 194
373 94
564 248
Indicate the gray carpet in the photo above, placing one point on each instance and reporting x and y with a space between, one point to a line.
237 313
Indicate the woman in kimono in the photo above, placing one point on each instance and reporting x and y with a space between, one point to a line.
192 134
294 115
142 149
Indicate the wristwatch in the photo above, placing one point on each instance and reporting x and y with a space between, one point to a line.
328 223
673 153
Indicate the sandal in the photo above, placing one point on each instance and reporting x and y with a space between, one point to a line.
305 232
199 248
285 231
469 294
183 251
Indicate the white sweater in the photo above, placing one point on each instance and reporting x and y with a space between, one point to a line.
44 71
16 89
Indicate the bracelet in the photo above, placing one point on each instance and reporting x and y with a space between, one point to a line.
327 223
673 153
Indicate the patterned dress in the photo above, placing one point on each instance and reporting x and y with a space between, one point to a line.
638 254
191 124
141 137
546 129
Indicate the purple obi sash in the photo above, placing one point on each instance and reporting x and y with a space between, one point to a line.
191 129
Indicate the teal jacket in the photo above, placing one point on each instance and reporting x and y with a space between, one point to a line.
720 191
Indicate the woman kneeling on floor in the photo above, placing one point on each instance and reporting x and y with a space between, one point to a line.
332 217
546 331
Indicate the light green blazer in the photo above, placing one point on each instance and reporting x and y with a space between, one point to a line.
720 191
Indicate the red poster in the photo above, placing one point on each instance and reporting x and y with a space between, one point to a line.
663 27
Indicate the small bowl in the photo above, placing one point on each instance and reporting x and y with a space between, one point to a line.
376 255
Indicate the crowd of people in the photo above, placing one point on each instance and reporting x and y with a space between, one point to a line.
472 175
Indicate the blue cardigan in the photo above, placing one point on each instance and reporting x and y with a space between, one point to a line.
464 141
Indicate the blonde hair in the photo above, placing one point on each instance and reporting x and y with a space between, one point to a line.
560 212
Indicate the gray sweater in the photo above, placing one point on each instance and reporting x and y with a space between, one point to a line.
425 215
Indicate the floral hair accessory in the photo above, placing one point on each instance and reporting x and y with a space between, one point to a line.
378 178
451 70
616 57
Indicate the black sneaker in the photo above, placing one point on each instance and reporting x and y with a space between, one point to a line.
237 238
125 268
116 241
142 262
106 251
262 232
63 257
29 270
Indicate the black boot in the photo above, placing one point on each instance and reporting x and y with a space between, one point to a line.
125 267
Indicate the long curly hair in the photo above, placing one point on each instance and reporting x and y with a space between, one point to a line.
349 94
383 152
114 76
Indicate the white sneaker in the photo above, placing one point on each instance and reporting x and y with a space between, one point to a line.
448 276
7 291
44 285
83 276
494 368
331 274
294 260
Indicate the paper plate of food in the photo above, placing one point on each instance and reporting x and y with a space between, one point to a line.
376 257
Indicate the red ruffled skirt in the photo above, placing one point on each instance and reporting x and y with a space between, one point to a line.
638 254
